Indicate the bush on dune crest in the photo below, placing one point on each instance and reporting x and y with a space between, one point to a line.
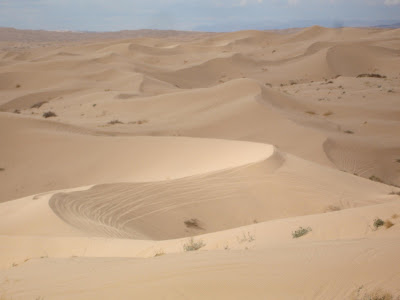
300 232
192 245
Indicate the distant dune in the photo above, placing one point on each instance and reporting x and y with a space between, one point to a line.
186 165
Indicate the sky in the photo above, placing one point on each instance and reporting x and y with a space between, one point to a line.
201 15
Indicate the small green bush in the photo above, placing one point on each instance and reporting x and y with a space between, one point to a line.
378 223
300 232
191 245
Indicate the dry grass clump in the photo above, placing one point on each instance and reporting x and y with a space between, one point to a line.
192 245
331 208
17 86
300 232
388 224
159 252
328 113
38 104
371 75
310 112
16 111
49 114
2 169
113 122
246 237
349 132
395 216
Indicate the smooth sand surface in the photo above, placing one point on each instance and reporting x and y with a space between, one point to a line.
229 142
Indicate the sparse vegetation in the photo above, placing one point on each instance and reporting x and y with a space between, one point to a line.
372 75
246 237
193 223
300 232
38 104
192 245
328 113
17 111
332 208
398 160
17 86
349 132
394 193
2 169
375 178
115 122
378 223
140 122
395 216
49 114
377 295
159 252
310 112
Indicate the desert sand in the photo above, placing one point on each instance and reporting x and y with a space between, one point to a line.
182 165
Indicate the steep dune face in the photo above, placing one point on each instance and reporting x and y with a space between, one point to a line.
277 152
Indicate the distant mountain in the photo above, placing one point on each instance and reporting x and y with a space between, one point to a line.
396 25
19 35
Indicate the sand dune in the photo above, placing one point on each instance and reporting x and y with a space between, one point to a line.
275 154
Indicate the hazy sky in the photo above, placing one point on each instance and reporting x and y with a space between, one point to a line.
215 15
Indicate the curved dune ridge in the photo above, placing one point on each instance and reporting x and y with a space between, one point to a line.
210 202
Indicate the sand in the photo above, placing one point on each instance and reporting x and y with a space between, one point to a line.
264 151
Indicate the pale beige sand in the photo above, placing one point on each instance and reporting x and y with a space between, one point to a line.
235 139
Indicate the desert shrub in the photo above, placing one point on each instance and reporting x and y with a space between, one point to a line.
17 86
375 178
49 114
2 169
115 122
192 223
300 232
192 245
328 113
17 111
398 160
378 223
349 132
372 75
38 104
